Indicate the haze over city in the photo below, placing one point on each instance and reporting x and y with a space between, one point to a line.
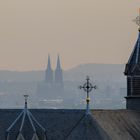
80 31
70 70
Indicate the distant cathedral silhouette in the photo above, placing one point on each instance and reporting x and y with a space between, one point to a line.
54 77
52 86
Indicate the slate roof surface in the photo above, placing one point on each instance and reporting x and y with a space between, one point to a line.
25 124
74 125
119 124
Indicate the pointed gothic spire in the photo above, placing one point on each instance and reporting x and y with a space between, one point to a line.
135 56
133 65
58 73
49 72
134 60
58 63
49 63
132 71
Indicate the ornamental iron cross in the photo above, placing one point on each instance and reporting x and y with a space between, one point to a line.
87 87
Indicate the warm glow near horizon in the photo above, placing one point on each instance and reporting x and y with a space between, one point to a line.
81 31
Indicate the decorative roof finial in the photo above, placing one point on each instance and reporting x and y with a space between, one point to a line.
26 98
87 87
137 20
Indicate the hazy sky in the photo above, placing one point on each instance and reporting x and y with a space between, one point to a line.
81 31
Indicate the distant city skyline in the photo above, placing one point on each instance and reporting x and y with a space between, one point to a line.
80 31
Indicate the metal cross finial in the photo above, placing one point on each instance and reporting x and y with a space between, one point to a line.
87 87
26 98
137 20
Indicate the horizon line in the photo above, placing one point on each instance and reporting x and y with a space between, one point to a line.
34 70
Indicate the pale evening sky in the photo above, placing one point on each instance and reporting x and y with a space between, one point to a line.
81 31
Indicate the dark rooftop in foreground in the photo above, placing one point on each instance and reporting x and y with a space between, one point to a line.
75 125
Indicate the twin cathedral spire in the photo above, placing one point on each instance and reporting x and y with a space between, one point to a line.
54 76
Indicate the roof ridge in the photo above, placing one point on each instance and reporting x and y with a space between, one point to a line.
74 127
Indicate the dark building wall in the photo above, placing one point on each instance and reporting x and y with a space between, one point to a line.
133 103
136 85
128 86
133 85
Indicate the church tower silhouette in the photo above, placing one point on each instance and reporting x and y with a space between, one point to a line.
58 73
49 72
52 87
132 71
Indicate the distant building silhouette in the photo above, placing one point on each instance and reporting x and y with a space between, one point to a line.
58 73
52 86
49 72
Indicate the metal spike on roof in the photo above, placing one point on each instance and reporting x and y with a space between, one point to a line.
26 98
